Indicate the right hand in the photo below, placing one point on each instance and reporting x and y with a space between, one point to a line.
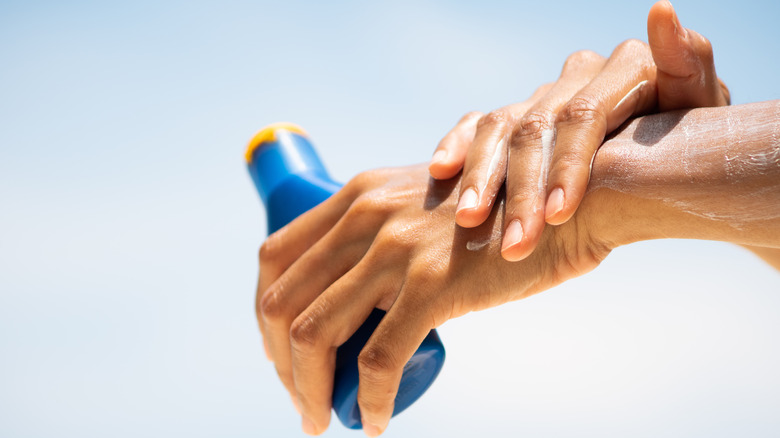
559 129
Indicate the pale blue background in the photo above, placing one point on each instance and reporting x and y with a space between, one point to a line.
129 229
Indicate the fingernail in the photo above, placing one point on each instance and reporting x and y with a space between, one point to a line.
468 200
308 426
554 203
513 235
371 430
439 156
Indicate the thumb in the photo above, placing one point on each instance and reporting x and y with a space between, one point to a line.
685 62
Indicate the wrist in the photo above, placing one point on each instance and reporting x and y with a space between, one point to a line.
611 219
710 173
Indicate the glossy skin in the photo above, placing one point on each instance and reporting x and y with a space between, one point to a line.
387 240
543 148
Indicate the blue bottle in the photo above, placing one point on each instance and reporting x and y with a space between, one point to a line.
291 179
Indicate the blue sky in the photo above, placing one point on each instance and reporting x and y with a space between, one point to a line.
129 228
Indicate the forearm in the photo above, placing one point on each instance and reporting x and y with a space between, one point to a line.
710 173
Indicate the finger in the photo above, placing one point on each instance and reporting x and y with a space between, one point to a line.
686 67
284 246
327 323
530 150
450 155
309 276
265 348
381 362
485 169
623 88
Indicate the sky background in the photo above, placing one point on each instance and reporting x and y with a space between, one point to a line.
129 228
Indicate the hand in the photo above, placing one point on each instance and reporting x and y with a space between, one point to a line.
562 125
387 240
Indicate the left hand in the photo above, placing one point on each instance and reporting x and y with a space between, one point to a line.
387 240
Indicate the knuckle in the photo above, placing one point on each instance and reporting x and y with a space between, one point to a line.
367 205
363 181
531 126
363 204
425 273
360 180
544 88
636 53
471 115
581 110
581 58
395 239
271 305
631 47
305 332
271 248
375 364
495 118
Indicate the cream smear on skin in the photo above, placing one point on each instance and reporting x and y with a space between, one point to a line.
499 155
498 159
687 162
632 94
476 245
483 241
548 143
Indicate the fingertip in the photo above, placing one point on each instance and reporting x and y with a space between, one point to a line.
556 201
308 426
518 252
662 23
469 200
669 41
662 13
468 214
469 218
511 246
467 204
443 170
440 156
371 430
522 236
315 419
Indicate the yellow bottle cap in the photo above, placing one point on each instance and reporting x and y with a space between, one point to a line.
268 134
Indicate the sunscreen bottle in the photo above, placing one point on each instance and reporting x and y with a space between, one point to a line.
291 179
